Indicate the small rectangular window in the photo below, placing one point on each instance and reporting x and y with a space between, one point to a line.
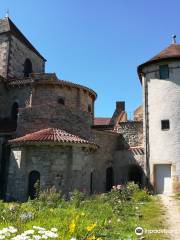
164 72
165 125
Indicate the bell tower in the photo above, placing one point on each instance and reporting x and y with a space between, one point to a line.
18 57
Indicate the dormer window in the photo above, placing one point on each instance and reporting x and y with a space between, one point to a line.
164 72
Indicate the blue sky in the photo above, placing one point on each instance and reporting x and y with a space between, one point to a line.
98 43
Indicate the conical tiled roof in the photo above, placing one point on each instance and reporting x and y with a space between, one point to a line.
53 135
170 52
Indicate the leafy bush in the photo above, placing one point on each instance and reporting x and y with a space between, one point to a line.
76 197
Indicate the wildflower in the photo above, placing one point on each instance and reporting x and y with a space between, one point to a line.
72 227
27 216
73 238
91 238
54 229
38 228
119 187
91 227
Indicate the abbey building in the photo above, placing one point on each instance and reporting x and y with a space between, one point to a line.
49 134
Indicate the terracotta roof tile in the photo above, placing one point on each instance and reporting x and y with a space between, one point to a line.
138 150
170 52
51 135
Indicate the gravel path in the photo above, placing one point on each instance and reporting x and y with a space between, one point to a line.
172 216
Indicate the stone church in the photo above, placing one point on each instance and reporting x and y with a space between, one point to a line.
50 136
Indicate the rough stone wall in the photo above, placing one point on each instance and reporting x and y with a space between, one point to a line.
4 51
103 157
3 100
21 95
124 159
36 118
75 99
18 54
132 133
65 167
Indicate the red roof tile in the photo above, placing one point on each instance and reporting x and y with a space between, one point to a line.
102 121
170 52
51 135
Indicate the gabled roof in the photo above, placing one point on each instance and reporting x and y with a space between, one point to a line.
52 135
170 52
7 26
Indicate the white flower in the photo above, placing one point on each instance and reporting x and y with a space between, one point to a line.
54 229
73 238
29 232
38 228
37 237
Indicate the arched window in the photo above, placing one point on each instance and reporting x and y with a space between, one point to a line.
27 67
61 100
135 174
34 184
89 108
14 111
109 179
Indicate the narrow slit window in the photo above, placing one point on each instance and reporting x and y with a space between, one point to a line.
164 72
165 125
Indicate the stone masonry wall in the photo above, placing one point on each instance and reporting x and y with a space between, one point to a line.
3 100
74 98
18 54
4 51
123 161
32 119
103 157
65 167
132 133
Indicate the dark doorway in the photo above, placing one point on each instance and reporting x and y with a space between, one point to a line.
135 174
14 111
27 67
91 183
109 179
34 184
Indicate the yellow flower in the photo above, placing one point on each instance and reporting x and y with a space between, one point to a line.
99 239
91 238
72 227
91 227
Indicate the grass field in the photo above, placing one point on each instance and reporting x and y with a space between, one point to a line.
113 215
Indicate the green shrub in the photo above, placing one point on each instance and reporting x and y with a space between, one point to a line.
49 197
76 197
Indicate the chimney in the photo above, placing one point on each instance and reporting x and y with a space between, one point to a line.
120 106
